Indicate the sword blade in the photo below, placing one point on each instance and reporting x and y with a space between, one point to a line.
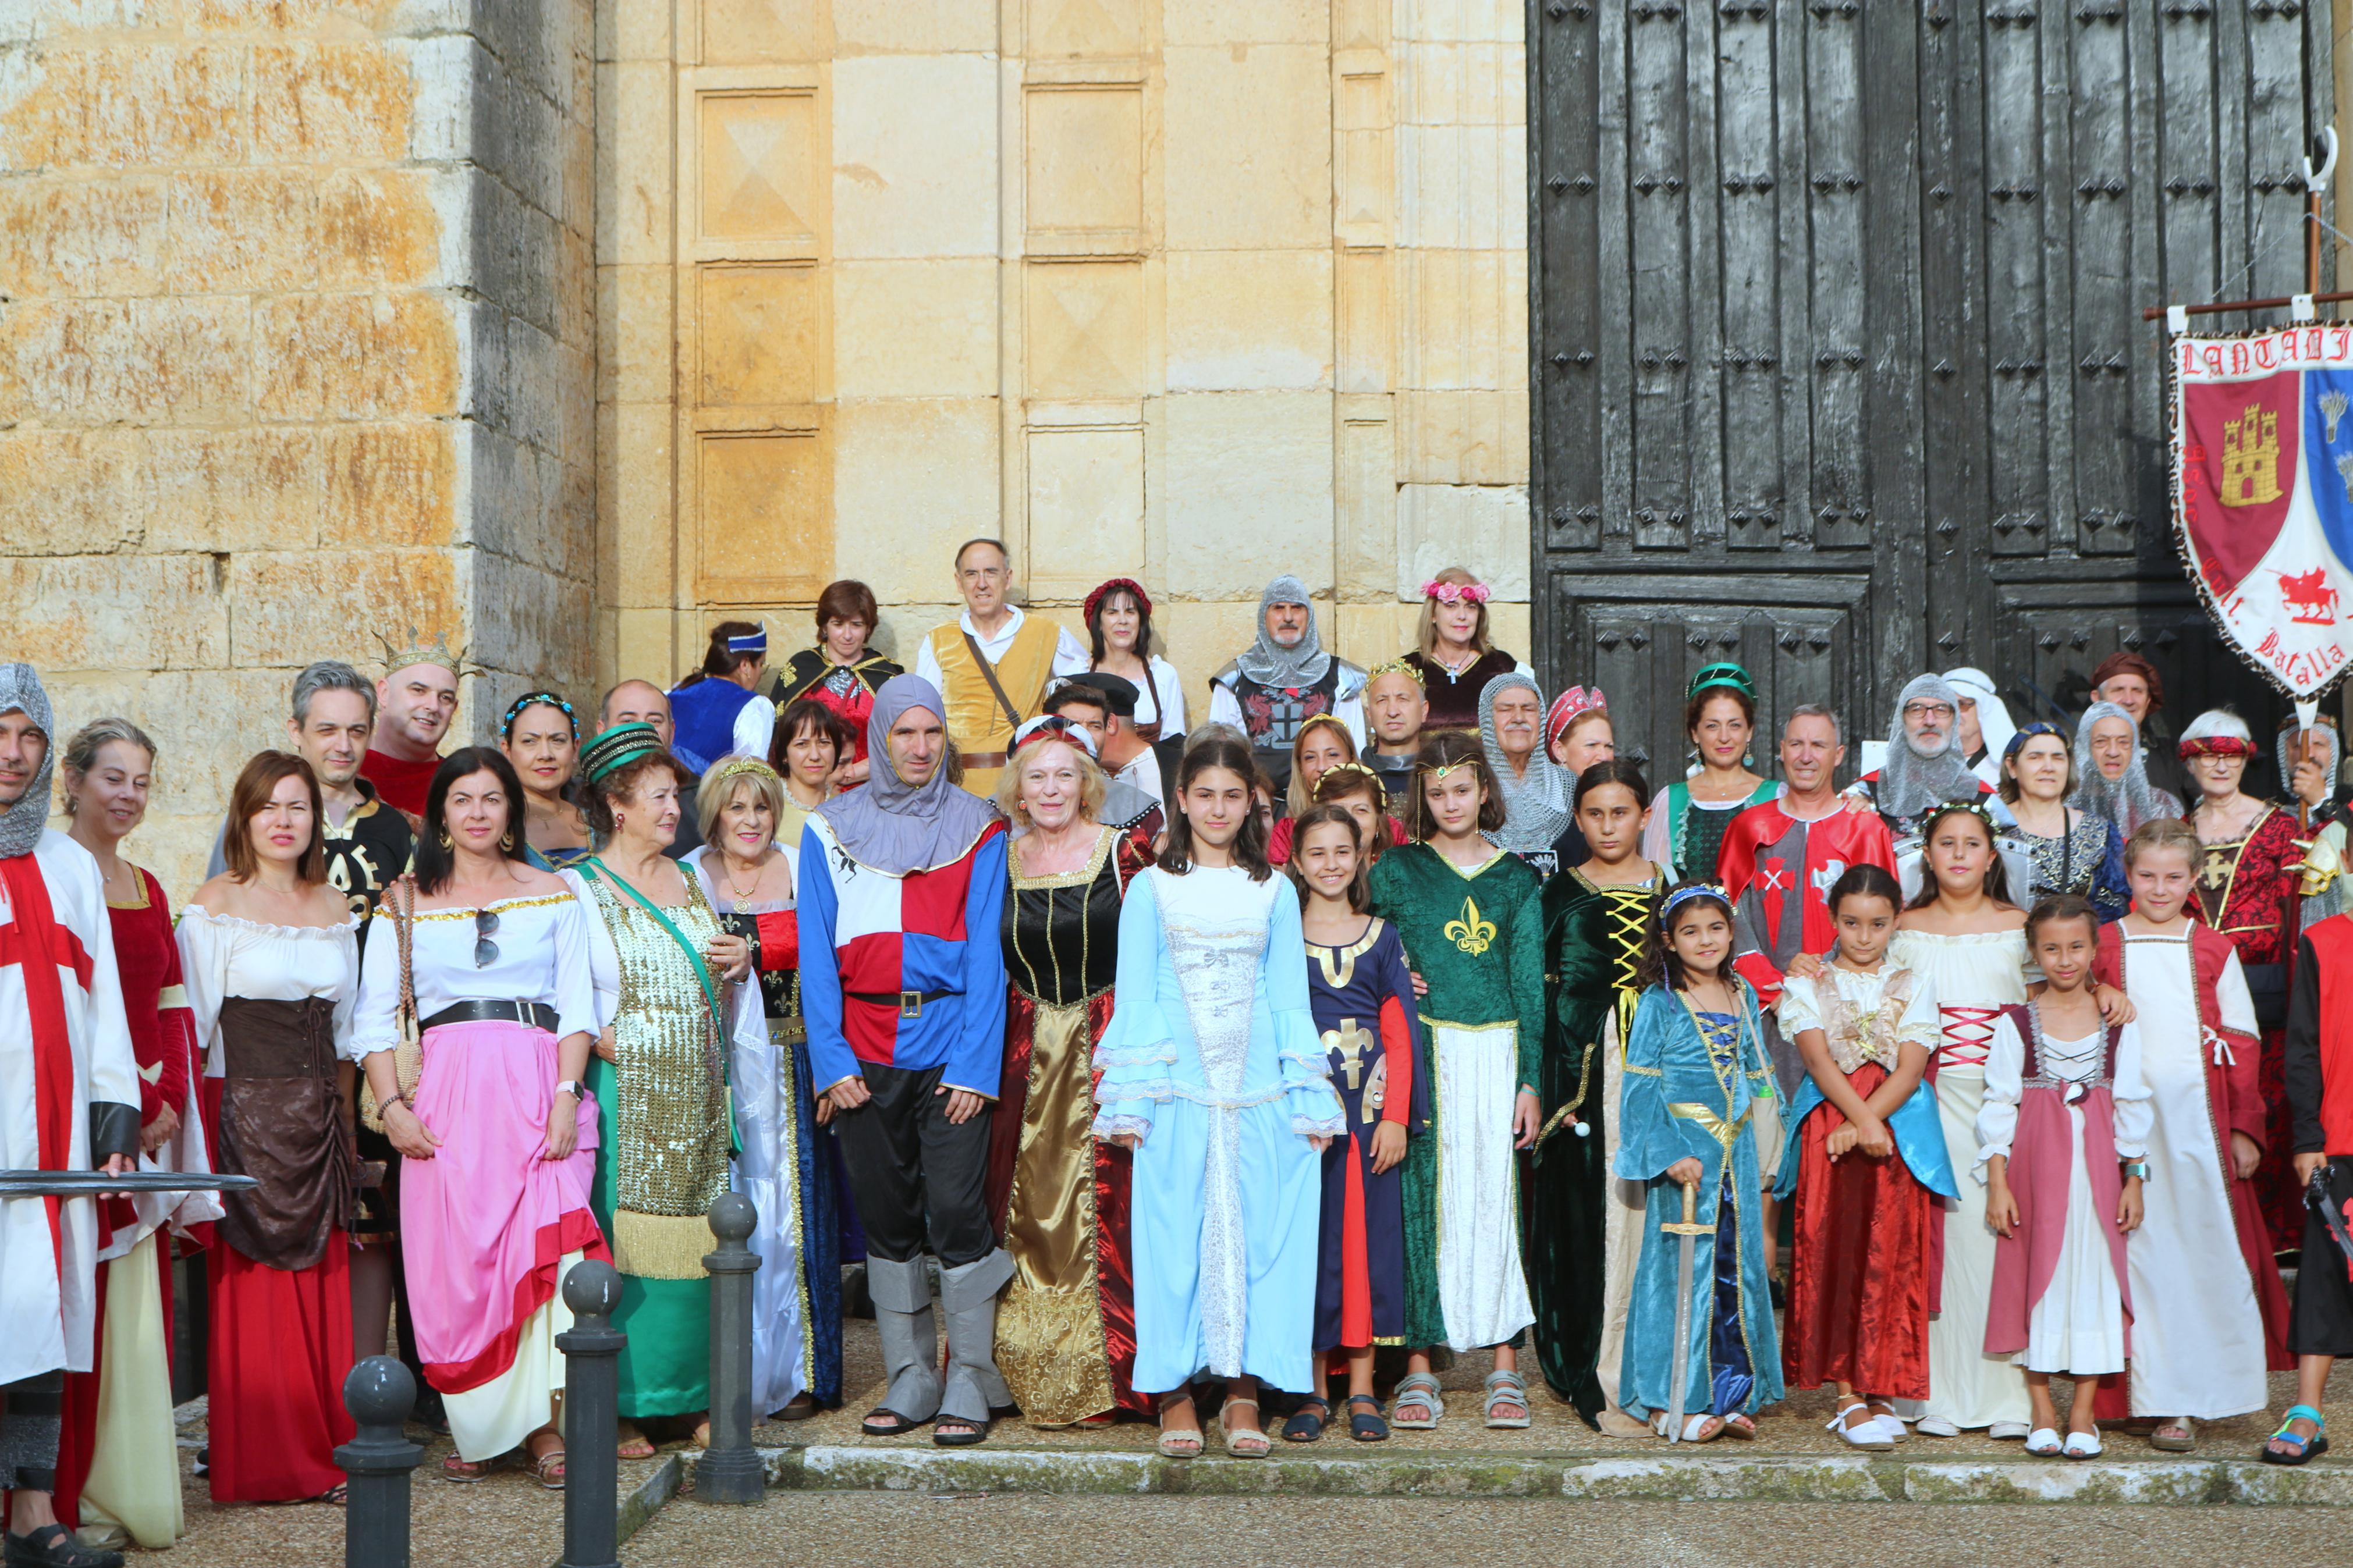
1682 1363
80 1184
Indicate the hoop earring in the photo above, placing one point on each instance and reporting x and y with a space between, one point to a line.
506 841
441 836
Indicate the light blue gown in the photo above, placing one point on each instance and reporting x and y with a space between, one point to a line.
1213 1056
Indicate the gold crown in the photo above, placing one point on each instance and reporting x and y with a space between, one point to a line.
419 651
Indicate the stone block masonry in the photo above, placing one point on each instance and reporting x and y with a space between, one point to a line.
297 346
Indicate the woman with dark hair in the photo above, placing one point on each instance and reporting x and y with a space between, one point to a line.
841 672
808 755
669 1017
2067 850
714 713
486 957
1119 631
541 737
1213 1075
1472 921
271 967
1689 816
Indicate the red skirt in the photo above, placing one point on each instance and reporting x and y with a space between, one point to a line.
281 1346
1858 1307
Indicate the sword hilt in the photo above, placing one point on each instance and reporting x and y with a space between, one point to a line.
1690 1226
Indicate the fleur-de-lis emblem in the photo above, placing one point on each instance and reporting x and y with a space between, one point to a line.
2332 404
1470 933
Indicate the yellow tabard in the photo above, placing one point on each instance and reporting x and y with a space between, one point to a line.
976 719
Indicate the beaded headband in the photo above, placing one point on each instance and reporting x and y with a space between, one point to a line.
530 698
1394 667
2026 732
1570 706
616 748
1684 895
1456 592
2217 746
1725 673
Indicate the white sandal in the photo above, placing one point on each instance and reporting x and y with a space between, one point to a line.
1692 1427
1868 1433
1507 1388
2081 1445
1416 1388
2043 1443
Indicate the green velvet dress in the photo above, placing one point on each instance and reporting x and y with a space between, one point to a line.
1593 937
1476 937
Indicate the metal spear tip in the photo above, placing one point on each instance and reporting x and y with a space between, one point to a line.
380 1391
732 1217
593 1289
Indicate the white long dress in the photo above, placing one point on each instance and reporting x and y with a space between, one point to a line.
1975 976
2077 1326
2197 1329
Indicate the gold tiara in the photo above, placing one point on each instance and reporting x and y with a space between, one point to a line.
1395 666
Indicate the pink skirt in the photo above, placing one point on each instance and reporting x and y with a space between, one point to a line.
486 1221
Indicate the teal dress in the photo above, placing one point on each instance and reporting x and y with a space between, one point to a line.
1693 1083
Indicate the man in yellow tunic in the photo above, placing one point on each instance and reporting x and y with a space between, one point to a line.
991 666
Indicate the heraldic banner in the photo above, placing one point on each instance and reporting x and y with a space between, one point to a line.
2262 493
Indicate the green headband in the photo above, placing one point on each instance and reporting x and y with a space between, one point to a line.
1725 674
618 747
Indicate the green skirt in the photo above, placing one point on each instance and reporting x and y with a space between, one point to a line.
665 1368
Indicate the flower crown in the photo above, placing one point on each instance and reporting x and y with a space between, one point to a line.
1455 593
1975 808
1684 895
1394 667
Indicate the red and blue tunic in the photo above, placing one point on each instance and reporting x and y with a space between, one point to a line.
904 971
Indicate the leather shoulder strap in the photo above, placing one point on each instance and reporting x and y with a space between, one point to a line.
989 673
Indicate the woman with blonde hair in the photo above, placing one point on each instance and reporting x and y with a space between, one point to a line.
747 876
1322 744
1066 1328
1452 651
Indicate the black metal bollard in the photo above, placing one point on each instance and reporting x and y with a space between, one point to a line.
730 1469
379 1394
592 1417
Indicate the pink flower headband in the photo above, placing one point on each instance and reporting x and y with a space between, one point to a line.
1455 593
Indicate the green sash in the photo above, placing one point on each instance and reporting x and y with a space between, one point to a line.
589 868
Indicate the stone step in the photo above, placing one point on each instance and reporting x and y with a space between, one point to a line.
1720 1475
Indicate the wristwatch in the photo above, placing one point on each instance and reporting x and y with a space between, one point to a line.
572 1086
2137 1168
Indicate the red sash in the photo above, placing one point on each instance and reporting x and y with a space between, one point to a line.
33 941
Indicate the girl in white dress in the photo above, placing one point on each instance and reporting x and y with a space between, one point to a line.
2062 1139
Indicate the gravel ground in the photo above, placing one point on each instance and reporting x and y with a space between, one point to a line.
897 1530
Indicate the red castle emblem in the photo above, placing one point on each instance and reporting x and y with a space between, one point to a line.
2307 597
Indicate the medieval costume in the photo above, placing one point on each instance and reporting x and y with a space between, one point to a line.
2167 773
2249 891
2208 1320
1861 1289
1361 996
69 1102
1455 694
847 688
1686 834
2087 859
1066 1329
2320 1089
1271 691
1211 1060
272 1007
2127 801
1995 726
1159 710
1692 1081
2064 1112
1778 869
400 783
1538 805
488 1226
1974 976
1477 935
663 1129
902 985
1580 1226
1908 784
712 717
989 685
119 1463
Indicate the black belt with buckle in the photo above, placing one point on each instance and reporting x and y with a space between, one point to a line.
535 1014
908 1002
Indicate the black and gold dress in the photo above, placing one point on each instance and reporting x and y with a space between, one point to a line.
1066 1327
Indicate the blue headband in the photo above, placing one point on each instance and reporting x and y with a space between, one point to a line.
1684 895
2028 732
754 642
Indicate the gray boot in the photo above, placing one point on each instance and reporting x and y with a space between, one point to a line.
968 1296
903 1312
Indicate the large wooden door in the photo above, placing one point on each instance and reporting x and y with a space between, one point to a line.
1836 343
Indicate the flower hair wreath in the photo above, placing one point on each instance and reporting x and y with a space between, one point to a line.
1455 593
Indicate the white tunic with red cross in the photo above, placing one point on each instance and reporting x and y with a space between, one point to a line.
63 1044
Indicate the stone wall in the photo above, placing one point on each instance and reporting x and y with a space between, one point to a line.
296 346
1193 291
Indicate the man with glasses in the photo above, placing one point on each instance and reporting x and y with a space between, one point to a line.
1925 767
991 666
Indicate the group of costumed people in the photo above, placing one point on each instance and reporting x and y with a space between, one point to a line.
1385 1016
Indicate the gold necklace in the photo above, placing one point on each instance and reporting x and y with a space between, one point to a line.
743 905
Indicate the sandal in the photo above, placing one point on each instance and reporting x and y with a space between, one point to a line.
1181 1442
2307 1448
973 1432
1507 1390
1891 1425
55 1546
1246 1443
1416 1391
881 1422
1307 1423
454 1468
1741 1426
633 1444
1866 1434
1696 1428
2176 1437
546 1464
800 1408
2081 1445
1363 1427
2043 1443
